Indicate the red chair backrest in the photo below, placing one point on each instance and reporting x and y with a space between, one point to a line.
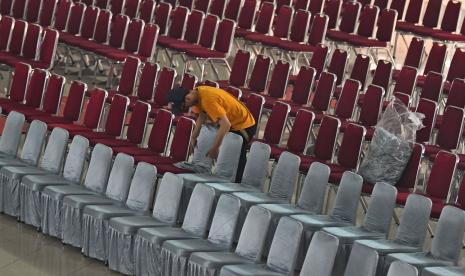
35 88
360 69
179 149
162 15
349 17
161 130
441 175
178 22
383 73
116 115
303 85
247 14
260 71
432 87
74 101
351 146
278 82
449 133
368 20
19 82
325 142
94 109
139 118
429 109
52 94
371 106
6 27
276 123
300 132
31 41
324 91
346 103
164 85
147 80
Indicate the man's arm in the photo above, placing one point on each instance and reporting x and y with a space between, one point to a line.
225 126
195 133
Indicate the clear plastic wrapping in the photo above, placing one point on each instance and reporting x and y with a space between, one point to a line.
391 145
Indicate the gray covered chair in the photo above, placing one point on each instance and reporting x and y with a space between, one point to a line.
344 211
29 154
249 248
446 244
11 135
255 172
32 186
320 256
95 217
224 171
116 193
410 235
10 176
444 271
282 186
375 225
282 257
122 230
175 253
310 201
399 268
362 261
95 182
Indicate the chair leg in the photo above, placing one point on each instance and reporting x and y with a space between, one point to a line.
430 230
364 204
396 218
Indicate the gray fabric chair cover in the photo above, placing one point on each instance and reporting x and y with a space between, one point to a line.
94 183
443 271
29 154
31 186
224 171
282 187
410 234
310 200
200 162
10 176
320 256
175 253
95 217
400 268
446 244
122 230
248 250
11 136
283 253
362 261
115 194
255 172
343 213
375 225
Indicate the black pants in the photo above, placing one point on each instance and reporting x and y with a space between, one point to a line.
243 159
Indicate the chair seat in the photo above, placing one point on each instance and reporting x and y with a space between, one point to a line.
255 37
164 40
80 201
422 30
249 269
444 271
384 247
11 161
350 233
71 128
161 234
18 172
316 222
135 151
93 135
419 260
442 35
296 47
338 35
284 209
216 259
38 182
186 247
205 53
112 142
258 198
272 41
105 212
404 26
130 225
366 42
241 32
50 119
58 192
231 187
191 179
182 46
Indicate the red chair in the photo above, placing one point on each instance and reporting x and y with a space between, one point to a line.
337 65
455 98
75 18
100 35
323 94
449 133
116 6
61 15
347 22
246 19
146 86
348 98
31 42
239 70
359 72
129 45
127 81
370 109
179 149
432 87
325 144
85 30
201 5
255 104
33 95
399 6
450 36
18 8
52 97
19 81
276 124
177 25
32 10
217 8
430 20
382 75
232 9
258 77
17 38
146 10
130 8
414 55
92 116
332 8
118 30
162 15
412 17
405 83
165 83
72 108
5 7
435 62
277 86
158 139
188 81
439 181
263 23
298 136
302 87
6 26
429 109
456 68
459 201
219 52
349 153
136 129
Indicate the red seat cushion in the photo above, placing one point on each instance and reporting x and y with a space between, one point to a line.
256 37
135 151
404 26
421 30
338 35
182 46
205 53
271 40
366 42
241 32
71 128
296 47
442 35
112 142
164 40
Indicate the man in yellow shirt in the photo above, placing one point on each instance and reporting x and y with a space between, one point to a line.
221 108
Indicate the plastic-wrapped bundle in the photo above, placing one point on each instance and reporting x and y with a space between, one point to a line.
391 146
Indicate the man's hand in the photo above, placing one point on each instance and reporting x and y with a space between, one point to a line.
213 153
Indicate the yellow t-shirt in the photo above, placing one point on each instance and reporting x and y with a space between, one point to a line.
216 103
